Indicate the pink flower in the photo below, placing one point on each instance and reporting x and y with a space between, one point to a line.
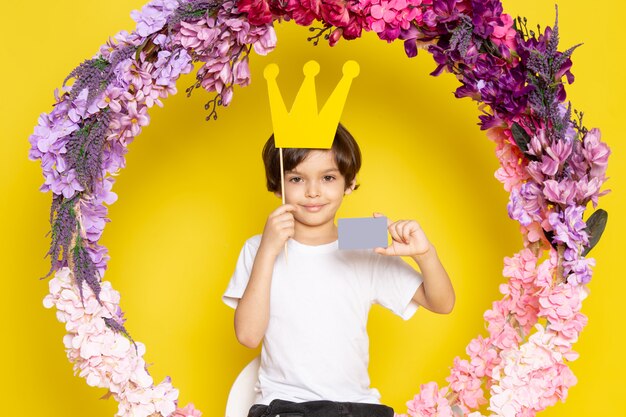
111 99
264 41
241 72
561 307
467 384
388 17
503 31
430 402
198 35
188 411
563 192
596 153
512 170
135 119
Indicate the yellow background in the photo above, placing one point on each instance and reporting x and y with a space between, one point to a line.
193 191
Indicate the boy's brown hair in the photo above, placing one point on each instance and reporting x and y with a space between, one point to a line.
346 151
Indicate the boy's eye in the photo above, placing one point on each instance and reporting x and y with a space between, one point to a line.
295 179
328 178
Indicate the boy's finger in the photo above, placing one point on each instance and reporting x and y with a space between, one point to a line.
380 251
284 208
377 214
405 230
393 230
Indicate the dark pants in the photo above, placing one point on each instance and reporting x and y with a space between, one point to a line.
280 408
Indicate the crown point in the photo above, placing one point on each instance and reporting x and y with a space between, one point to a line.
351 69
311 69
271 72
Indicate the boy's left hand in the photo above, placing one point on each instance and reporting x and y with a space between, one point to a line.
408 238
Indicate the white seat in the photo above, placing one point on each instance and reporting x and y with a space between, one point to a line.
241 396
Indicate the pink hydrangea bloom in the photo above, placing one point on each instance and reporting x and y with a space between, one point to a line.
512 171
188 411
530 377
467 384
430 402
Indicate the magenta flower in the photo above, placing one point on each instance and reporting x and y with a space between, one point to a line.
388 17
258 11
503 31
335 12
303 12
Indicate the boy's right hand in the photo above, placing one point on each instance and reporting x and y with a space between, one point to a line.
279 227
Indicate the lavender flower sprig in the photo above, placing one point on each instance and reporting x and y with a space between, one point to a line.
97 73
84 149
84 268
118 327
193 10
545 68
63 225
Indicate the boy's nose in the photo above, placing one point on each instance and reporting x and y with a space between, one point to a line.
312 191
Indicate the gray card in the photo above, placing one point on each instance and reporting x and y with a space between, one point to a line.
362 233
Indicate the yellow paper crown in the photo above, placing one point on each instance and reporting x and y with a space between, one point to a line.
303 127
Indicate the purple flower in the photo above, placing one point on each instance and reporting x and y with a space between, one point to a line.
485 12
568 226
526 204
580 270
153 16
92 219
169 67
65 183
99 256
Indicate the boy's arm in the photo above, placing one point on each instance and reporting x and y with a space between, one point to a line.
252 313
253 310
436 292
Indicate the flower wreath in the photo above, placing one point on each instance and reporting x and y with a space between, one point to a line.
551 165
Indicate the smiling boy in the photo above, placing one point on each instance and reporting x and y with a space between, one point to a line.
311 312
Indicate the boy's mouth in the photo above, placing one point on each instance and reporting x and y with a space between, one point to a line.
313 208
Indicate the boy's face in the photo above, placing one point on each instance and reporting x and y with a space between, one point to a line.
316 188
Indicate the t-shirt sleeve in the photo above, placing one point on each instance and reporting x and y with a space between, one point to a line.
243 268
394 283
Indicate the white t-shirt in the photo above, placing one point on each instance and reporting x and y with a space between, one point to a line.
316 345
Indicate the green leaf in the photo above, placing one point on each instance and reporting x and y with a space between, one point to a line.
595 227
522 139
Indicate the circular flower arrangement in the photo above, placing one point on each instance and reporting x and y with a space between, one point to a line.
551 165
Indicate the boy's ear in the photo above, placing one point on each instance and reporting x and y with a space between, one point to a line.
278 194
350 187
